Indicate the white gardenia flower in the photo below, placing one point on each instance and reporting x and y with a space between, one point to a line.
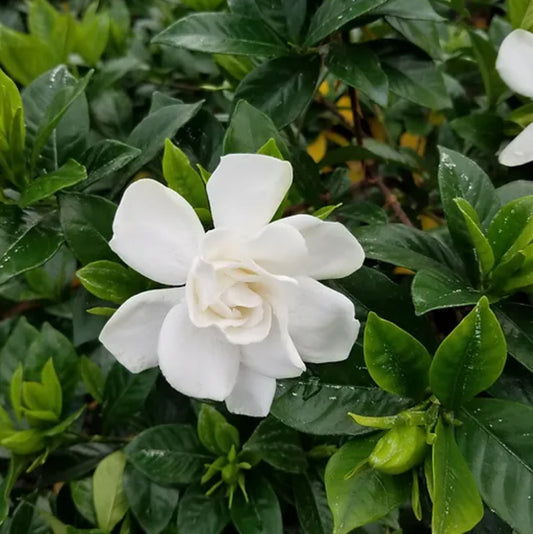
251 310
515 66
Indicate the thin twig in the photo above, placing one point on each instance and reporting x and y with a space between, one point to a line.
357 126
392 201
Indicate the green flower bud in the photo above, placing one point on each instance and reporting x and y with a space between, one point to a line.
399 450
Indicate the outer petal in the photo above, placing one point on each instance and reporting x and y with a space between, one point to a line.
245 190
333 251
275 356
279 248
321 322
198 362
132 333
520 150
252 395
156 232
515 62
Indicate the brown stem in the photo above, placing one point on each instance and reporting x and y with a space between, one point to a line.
357 126
392 201
21 307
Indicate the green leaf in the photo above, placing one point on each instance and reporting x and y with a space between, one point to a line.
56 114
45 186
422 33
396 361
61 102
407 247
182 178
365 496
27 239
81 492
111 281
201 514
105 158
47 394
495 439
224 33
151 504
17 464
110 502
358 66
482 130
312 505
215 433
485 54
92 35
511 230
86 221
322 409
93 378
249 129
483 249
24 442
125 394
457 506
168 454
514 190
404 9
282 88
150 134
277 445
270 149
15 390
516 321
433 290
460 177
333 14
521 14
470 359
412 75
261 514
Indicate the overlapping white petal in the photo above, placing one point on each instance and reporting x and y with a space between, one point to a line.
515 62
245 190
132 332
198 362
520 150
333 251
157 232
252 395
322 322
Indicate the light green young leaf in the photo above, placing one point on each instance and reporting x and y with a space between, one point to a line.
110 503
470 359
215 433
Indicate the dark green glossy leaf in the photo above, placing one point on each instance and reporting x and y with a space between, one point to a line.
433 290
261 514
364 497
358 66
470 359
482 130
457 506
249 129
277 445
45 186
151 504
169 454
322 409
93 378
333 14
495 439
514 190
404 9
224 33
396 361
422 33
282 87
125 394
516 321
86 221
312 505
201 514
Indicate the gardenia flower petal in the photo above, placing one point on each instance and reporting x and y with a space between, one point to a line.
245 190
322 322
520 150
515 62
253 393
132 332
198 362
275 356
334 252
156 232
